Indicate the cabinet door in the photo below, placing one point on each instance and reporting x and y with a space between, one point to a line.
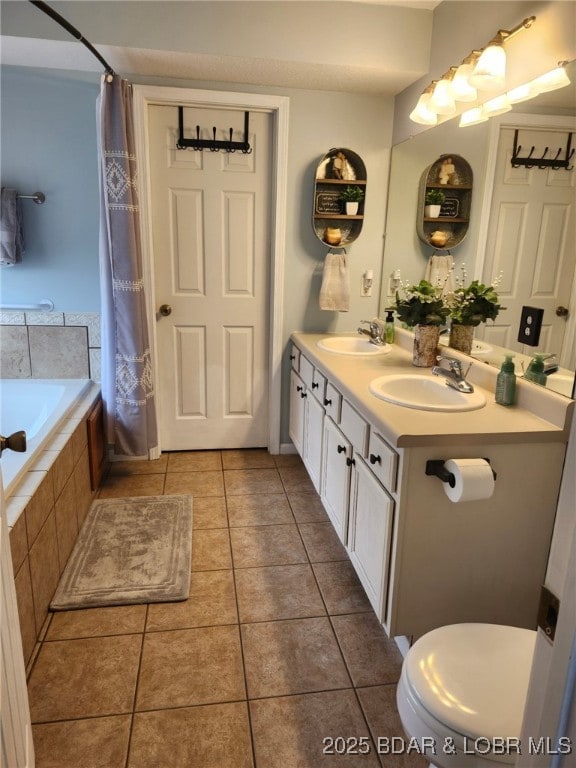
297 411
312 457
371 510
336 458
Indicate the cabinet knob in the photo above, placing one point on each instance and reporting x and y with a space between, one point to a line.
314 385
299 388
375 459
341 448
350 462
327 402
292 357
302 394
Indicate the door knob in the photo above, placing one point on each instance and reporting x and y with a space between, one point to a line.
165 310
15 442
562 311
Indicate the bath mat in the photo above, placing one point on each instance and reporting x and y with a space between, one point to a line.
129 550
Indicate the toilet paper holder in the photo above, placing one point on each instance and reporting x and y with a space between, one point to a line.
435 467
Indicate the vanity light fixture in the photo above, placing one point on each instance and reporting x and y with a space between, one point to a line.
490 71
550 81
442 102
481 70
460 87
422 113
496 106
521 93
472 116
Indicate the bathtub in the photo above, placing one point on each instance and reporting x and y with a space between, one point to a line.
40 407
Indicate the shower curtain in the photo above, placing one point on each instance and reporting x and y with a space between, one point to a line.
127 385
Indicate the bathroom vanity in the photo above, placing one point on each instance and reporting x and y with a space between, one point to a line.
425 561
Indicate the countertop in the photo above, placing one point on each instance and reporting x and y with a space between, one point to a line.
547 419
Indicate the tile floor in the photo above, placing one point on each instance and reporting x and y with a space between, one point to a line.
276 649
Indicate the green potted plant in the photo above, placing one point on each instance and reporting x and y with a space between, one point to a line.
423 308
433 202
470 305
352 196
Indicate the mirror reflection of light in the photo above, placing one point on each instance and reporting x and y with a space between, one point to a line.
436 685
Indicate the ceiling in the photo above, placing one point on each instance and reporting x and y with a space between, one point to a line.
358 46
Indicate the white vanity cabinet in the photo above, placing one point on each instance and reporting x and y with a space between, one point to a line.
298 397
369 533
336 463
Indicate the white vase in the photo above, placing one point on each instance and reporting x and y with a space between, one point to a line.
351 208
432 211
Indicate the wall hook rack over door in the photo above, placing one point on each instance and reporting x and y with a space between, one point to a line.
214 145
542 162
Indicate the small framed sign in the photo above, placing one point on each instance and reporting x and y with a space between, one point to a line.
328 202
450 207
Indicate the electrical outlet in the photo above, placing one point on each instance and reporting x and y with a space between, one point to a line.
530 325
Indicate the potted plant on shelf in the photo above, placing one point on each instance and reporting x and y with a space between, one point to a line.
422 308
433 202
352 197
470 305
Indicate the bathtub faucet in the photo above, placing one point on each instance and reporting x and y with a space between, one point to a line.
14 442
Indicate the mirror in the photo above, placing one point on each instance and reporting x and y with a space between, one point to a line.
406 253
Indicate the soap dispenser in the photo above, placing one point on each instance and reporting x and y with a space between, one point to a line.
535 370
389 326
506 383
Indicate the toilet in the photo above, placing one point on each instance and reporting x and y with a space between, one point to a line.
462 693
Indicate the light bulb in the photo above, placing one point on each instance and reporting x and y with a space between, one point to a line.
441 100
472 117
490 71
460 88
521 93
496 106
422 113
556 78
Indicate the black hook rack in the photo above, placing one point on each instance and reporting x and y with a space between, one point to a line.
214 145
542 162
436 468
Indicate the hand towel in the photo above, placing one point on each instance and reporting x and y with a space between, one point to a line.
439 272
335 289
10 228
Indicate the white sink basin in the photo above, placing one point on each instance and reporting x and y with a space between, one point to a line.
426 393
561 383
352 345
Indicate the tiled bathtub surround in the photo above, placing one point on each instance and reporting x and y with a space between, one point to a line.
276 648
56 345
44 516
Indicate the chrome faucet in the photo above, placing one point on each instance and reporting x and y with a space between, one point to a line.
375 331
453 374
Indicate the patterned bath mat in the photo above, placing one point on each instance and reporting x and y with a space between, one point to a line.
129 550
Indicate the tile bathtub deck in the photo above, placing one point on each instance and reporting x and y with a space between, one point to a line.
276 649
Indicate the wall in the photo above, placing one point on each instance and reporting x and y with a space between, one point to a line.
61 262
48 144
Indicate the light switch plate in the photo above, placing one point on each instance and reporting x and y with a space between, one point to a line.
530 325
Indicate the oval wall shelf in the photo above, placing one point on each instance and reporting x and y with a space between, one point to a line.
338 168
452 175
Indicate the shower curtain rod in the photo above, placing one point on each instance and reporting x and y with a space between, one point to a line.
73 31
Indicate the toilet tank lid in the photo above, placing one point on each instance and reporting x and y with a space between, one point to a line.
473 677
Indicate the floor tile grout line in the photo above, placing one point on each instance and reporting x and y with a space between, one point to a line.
136 687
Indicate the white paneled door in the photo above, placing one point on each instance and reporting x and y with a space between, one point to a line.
210 214
531 240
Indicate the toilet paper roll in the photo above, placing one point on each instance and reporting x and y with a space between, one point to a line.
473 480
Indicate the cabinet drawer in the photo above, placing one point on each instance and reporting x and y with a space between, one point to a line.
318 386
306 371
295 358
332 402
383 461
354 427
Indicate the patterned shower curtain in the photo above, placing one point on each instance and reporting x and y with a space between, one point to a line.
127 386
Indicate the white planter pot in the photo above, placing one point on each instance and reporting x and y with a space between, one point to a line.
432 211
351 209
